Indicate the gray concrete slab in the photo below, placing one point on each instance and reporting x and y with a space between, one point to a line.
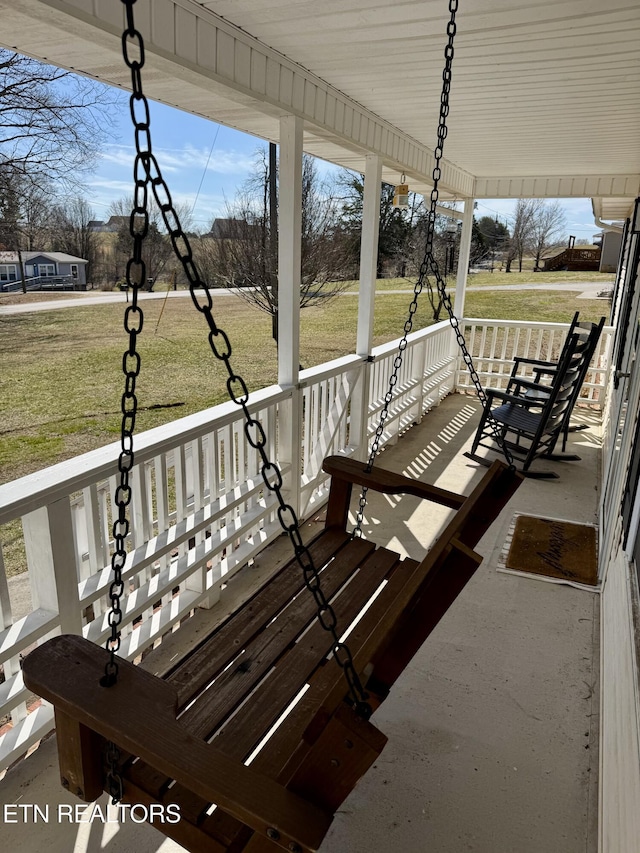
493 728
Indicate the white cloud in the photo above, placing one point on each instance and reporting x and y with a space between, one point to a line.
174 160
114 186
120 155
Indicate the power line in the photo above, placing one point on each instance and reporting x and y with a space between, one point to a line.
496 212
206 166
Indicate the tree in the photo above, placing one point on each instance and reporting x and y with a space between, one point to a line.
35 217
239 251
24 216
70 232
522 226
548 227
52 122
10 219
394 234
495 237
157 251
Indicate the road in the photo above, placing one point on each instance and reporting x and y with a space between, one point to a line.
587 290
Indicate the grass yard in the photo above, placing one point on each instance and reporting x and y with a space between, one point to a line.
61 380
499 279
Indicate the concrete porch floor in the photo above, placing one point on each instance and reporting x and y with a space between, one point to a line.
493 728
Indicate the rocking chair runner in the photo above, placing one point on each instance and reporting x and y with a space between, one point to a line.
260 661
188 739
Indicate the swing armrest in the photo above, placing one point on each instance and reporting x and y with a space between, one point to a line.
388 482
346 472
139 715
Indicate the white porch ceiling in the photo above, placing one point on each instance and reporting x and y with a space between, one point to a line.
545 95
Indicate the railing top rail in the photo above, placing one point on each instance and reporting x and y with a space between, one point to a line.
392 346
328 369
18 497
524 323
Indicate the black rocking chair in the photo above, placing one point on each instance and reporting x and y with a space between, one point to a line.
530 417
588 335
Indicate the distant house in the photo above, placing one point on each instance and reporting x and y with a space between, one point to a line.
97 226
112 226
42 270
572 258
232 229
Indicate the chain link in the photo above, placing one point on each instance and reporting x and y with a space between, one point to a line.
429 263
135 276
147 173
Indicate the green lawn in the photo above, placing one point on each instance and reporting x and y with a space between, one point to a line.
498 279
61 381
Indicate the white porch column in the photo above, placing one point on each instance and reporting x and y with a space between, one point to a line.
463 256
289 248
366 300
289 261
369 253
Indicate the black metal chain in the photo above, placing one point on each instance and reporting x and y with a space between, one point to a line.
147 172
429 263
133 53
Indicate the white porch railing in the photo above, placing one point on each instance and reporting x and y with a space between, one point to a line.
495 343
199 511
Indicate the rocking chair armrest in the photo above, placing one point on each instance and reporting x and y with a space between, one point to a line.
527 402
139 715
353 471
529 384
533 361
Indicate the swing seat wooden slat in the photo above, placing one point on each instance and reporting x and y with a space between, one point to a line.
270 658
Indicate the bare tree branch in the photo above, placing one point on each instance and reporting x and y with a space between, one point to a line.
52 122
239 255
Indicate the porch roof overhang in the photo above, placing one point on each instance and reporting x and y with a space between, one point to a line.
545 96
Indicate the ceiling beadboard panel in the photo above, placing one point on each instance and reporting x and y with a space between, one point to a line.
545 97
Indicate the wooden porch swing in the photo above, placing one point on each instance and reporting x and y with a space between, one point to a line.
256 734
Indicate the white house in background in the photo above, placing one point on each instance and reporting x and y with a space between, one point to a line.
42 270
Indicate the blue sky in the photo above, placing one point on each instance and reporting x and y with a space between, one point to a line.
204 163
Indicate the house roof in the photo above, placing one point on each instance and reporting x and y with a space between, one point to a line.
228 229
545 97
56 257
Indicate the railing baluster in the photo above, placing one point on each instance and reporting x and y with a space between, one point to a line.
51 558
5 600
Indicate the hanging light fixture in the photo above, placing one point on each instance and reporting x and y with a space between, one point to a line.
401 197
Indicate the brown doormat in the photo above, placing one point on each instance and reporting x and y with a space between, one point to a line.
557 549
